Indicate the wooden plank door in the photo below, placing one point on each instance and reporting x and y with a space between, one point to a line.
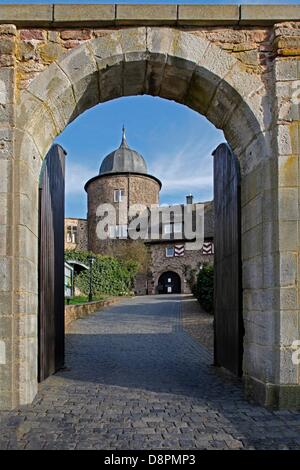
228 322
51 263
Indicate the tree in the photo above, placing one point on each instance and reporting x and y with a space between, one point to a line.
205 288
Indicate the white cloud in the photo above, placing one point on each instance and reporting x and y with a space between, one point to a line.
76 177
188 169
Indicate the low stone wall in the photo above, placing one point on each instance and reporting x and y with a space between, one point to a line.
73 312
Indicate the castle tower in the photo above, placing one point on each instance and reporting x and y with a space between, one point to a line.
123 180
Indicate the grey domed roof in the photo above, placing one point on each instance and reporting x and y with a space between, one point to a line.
123 159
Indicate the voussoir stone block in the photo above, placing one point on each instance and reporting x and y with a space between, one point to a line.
159 40
174 72
81 68
218 62
28 153
222 105
103 48
55 89
189 47
110 78
133 40
134 74
28 109
44 131
240 130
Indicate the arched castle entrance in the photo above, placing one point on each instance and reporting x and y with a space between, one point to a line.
169 282
189 68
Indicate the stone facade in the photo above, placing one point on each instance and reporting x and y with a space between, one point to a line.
139 189
76 236
185 266
239 67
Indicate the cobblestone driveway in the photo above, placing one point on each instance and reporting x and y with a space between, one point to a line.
136 380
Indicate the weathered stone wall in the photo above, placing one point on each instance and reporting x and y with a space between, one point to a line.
138 190
239 67
11 308
37 48
185 266
82 235
73 312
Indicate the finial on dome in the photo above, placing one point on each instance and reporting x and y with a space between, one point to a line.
124 141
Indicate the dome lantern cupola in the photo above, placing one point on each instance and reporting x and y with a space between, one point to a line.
123 160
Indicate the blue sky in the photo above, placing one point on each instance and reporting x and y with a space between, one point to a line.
175 141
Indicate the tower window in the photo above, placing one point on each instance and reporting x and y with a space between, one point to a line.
118 231
167 229
119 195
72 234
178 227
173 228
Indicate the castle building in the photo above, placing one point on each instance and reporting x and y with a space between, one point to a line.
124 192
123 181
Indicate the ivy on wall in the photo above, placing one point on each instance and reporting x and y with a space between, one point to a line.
109 275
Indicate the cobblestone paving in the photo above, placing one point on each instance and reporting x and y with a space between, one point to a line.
136 380
197 323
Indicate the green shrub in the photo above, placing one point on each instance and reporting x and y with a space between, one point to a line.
204 288
109 275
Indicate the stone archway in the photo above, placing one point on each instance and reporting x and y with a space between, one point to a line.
169 282
193 71
168 268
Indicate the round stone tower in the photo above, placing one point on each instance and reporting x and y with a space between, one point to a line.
122 182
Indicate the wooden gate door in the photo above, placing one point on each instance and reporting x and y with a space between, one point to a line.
228 321
51 263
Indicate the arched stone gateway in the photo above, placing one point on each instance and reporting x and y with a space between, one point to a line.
169 282
249 96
